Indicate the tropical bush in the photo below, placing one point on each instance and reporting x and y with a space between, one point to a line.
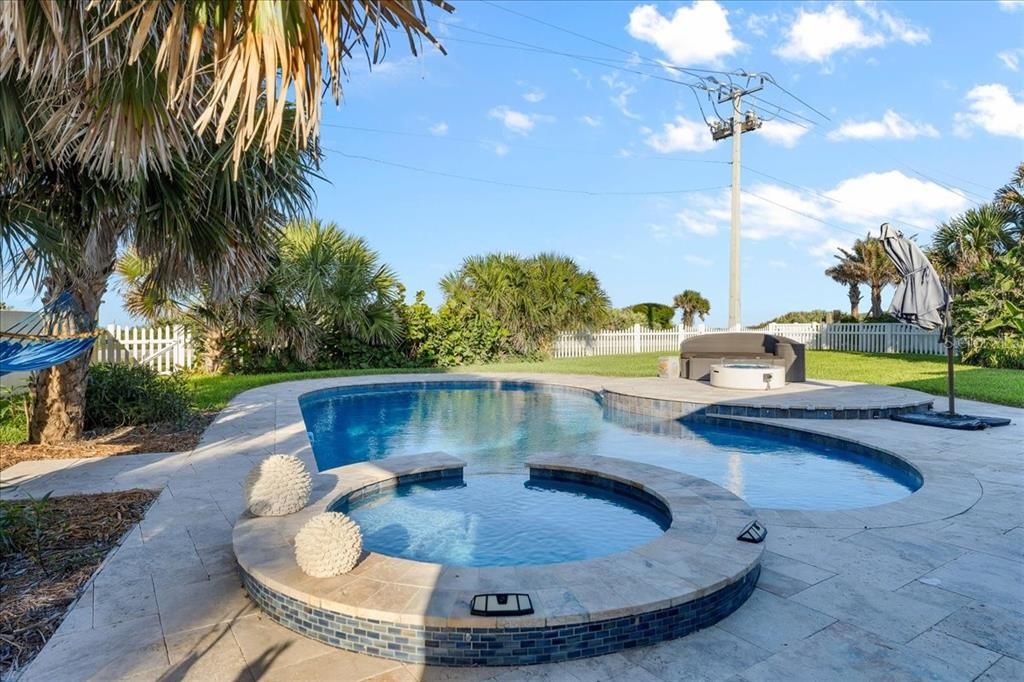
655 315
451 337
532 299
129 394
981 254
624 318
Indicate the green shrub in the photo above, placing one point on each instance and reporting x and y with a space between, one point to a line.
124 394
1000 353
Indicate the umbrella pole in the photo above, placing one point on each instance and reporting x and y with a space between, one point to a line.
950 343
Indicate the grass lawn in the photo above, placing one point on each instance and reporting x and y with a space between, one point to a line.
925 373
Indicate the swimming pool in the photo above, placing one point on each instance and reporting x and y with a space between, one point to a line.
496 427
503 520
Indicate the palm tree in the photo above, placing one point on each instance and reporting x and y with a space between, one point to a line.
322 280
691 303
183 128
1010 197
847 274
867 263
966 242
532 298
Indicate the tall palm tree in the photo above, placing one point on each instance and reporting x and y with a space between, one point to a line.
964 243
184 128
691 303
847 274
532 298
867 263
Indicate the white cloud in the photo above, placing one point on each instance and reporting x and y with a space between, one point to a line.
622 91
758 23
699 261
1011 58
517 121
682 135
592 121
580 76
868 198
1011 5
440 129
852 207
816 36
892 126
500 149
825 250
698 34
696 222
534 95
782 133
994 109
895 27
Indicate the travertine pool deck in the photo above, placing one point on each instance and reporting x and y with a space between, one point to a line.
909 592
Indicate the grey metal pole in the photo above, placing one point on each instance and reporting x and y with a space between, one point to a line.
734 233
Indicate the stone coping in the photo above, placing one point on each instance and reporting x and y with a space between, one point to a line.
697 556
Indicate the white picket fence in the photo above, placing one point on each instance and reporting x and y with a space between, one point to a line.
166 349
865 338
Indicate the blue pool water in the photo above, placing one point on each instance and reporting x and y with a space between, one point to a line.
496 431
502 520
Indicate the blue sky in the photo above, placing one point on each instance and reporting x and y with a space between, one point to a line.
926 109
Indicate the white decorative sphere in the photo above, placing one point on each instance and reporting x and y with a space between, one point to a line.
328 545
277 486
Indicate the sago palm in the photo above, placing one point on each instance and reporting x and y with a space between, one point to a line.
966 242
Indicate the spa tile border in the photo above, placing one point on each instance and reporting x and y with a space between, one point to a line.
688 578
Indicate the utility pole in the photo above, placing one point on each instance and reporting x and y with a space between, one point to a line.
734 128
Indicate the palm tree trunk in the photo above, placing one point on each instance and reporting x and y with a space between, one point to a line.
688 318
855 297
58 405
876 300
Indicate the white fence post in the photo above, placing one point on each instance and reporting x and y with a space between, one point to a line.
636 338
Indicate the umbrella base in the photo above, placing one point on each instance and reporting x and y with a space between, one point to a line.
945 420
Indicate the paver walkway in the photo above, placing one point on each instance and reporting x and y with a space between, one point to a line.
938 600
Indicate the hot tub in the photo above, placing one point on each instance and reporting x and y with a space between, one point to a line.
748 376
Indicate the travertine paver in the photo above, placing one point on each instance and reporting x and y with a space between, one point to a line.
954 627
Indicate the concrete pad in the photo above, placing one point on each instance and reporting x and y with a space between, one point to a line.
125 601
208 654
963 660
772 622
987 626
709 654
1006 669
890 615
936 596
780 584
268 647
982 577
201 604
126 649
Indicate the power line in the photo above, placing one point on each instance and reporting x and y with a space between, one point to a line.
524 145
801 213
516 185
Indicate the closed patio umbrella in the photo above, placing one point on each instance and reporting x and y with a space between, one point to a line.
923 301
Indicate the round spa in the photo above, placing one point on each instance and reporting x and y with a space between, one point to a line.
673 565
748 376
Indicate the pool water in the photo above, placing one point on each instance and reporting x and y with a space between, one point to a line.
497 430
502 520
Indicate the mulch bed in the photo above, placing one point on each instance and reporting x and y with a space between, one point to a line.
124 440
47 557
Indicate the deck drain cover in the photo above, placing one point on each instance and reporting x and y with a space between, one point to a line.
501 604
753 532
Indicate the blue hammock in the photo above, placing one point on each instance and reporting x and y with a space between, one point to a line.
49 337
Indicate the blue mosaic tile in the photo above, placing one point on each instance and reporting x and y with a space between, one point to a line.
500 646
